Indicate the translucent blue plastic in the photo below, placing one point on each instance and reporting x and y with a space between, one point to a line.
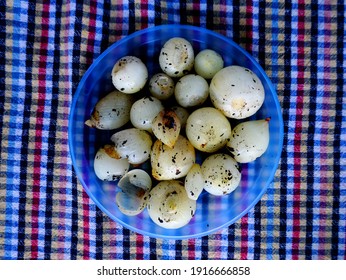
213 213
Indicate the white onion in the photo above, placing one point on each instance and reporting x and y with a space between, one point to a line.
108 165
191 90
166 127
221 174
182 114
111 111
249 140
129 74
176 57
161 86
208 63
133 144
169 205
194 182
172 163
134 192
143 111
237 92
208 129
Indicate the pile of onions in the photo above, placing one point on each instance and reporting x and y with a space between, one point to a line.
185 109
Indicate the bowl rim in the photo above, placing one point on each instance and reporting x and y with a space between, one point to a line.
277 158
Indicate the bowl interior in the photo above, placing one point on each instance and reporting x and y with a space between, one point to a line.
212 212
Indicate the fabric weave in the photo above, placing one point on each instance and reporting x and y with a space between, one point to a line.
46 47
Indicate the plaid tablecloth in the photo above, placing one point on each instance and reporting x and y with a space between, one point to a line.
46 47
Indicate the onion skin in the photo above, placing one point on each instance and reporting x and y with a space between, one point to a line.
194 182
161 86
221 174
208 129
133 144
143 111
237 92
191 90
249 140
182 114
172 163
129 74
134 192
169 205
111 111
166 127
176 57
208 63
108 166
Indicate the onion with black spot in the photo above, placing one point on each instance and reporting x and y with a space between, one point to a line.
169 206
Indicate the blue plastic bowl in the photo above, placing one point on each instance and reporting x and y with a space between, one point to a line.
212 213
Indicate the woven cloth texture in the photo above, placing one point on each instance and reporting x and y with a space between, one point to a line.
46 47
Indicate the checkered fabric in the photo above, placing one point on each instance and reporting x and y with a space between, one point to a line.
46 47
